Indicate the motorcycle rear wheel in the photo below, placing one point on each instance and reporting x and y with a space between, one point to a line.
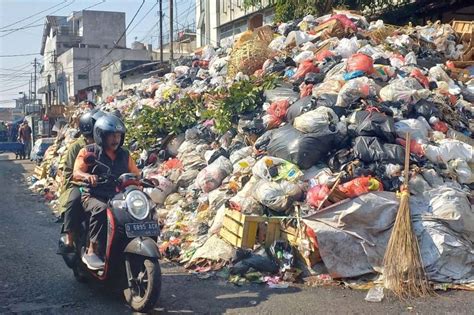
145 291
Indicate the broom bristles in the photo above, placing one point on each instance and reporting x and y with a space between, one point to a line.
404 273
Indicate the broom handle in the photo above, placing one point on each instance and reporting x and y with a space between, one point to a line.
407 157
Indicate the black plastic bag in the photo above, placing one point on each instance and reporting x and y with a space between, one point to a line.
258 260
424 108
373 124
314 78
285 91
302 149
301 106
372 149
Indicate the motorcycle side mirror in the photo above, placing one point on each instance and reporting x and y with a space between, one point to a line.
90 159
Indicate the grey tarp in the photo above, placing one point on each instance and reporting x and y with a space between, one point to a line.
353 234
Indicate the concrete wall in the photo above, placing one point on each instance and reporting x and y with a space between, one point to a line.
82 66
103 28
224 18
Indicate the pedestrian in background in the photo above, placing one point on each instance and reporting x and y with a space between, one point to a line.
24 136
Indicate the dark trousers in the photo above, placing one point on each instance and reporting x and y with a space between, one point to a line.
74 212
98 219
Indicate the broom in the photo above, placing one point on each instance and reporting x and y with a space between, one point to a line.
404 273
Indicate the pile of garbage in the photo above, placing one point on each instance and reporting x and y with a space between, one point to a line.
306 122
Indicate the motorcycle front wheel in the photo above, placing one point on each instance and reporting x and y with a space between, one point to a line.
145 287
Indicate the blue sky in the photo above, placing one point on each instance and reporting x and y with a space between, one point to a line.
15 71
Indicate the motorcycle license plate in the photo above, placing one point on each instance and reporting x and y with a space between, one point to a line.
142 229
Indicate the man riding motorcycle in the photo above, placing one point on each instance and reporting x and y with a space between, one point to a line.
109 135
70 205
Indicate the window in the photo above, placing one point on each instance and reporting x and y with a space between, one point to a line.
82 76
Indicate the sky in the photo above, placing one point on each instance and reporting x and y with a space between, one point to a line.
24 19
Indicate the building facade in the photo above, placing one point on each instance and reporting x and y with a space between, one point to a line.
74 49
223 19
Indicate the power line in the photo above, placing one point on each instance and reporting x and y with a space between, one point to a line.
20 28
40 18
146 14
26 18
19 55
13 88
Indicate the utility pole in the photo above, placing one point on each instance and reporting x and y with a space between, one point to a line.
35 64
55 92
171 32
161 31
29 87
48 103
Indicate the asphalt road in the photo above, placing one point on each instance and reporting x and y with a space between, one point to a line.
34 280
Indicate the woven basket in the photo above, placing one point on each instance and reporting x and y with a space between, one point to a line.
248 58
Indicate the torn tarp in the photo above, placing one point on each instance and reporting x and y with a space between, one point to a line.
349 249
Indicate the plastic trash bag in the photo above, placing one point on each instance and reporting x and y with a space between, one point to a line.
284 92
301 106
187 177
462 170
240 154
244 166
360 62
347 47
276 114
212 176
356 89
278 196
437 73
244 201
273 169
304 56
405 90
418 185
448 150
365 123
322 120
304 68
159 194
317 195
372 149
258 260
359 186
419 129
302 149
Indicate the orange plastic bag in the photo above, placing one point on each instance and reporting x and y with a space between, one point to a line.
360 186
415 147
306 90
320 56
304 68
278 109
317 195
417 74
360 62
440 126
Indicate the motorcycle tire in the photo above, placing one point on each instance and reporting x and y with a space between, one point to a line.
146 302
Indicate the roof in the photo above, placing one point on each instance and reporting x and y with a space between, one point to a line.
50 22
146 68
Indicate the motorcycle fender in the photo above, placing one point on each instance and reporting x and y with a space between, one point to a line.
143 246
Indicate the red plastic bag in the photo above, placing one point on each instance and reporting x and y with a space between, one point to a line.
415 147
360 62
324 54
306 90
360 186
278 109
304 68
348 24
417 74
316 196
440 126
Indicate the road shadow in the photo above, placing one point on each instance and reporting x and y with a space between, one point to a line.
185 293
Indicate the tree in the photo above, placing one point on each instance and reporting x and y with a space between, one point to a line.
286 10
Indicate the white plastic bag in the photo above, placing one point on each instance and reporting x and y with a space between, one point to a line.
318 121
277 196
303 56
159 194
347 47
405 90
241 154
448 150
419 128
283 169
462 170
212 176
355 89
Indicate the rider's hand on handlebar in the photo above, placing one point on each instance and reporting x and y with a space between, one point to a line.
91 179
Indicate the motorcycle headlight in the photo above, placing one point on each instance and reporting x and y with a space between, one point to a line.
138 205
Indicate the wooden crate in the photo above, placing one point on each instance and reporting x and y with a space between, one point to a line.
465 31
290 234
241 230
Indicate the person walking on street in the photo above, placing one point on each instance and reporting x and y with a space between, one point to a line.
24 136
